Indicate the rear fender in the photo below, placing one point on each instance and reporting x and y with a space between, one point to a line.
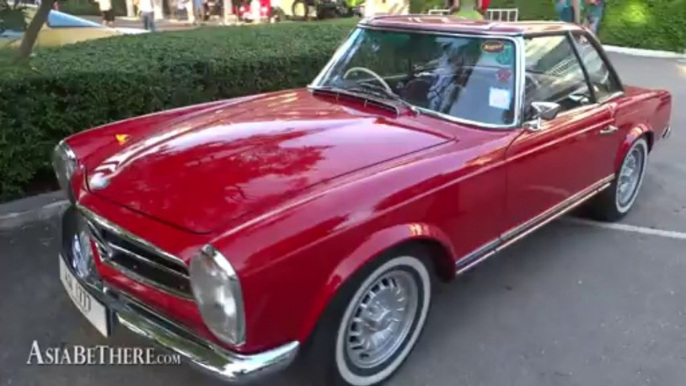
631 137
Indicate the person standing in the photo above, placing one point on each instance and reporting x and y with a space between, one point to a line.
593 13
147 13
181 9
198 11
565 11
107 13
467 9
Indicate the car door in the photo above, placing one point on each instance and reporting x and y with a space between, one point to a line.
608 91
550 167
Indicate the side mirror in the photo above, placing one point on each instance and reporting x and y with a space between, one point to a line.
543 111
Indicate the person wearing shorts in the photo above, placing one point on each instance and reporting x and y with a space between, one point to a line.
565 10
107 12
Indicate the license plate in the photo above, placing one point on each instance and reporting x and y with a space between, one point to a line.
91 308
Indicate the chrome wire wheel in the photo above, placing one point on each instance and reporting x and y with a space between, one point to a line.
630 176
382 319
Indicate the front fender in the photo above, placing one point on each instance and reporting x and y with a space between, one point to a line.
371 248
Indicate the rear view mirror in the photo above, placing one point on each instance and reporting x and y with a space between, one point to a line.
543 111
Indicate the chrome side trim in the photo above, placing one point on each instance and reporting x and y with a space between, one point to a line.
559 207
123 233
477 256
517 233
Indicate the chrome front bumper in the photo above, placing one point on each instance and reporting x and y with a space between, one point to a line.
209 357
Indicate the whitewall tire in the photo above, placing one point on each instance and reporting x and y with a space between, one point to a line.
617 200
375 321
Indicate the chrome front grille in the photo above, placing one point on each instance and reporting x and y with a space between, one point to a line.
138 259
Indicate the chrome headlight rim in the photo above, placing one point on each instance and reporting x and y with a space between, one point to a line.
83 260
236 337
64 163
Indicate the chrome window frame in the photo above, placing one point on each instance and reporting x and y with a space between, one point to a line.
519 70
594 103
606 61
569 36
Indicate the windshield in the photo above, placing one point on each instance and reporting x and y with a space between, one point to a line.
469 78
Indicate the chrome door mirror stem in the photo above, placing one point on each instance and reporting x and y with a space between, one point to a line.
543 111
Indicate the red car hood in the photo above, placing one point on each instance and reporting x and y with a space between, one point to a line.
200 172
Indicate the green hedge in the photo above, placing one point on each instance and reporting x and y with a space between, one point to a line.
654 24
90 8
529 9
84 85
651 24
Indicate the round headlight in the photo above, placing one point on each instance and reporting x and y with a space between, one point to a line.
82 252
64 164
217 292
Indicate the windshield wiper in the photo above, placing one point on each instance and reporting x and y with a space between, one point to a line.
363 92
383 92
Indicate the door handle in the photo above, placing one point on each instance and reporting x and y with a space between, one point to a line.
609 130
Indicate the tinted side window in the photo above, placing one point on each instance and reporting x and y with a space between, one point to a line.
553 74
602 81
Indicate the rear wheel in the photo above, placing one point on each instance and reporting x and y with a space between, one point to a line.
616 201
374 322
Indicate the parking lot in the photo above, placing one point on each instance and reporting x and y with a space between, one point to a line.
573 304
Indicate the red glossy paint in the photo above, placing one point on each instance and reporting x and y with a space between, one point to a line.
551 165
299 191
202 172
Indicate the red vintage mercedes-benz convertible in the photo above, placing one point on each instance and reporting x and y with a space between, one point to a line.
308 225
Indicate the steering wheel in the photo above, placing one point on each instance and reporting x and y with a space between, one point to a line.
369 72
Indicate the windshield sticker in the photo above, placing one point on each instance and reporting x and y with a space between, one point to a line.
504 75
499 98
506 56
492 46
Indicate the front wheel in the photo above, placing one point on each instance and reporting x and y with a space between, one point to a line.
374 322
616 201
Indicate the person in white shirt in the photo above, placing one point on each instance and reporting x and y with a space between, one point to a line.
147 12
107 13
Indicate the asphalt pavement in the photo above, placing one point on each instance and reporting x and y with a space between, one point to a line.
573 304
